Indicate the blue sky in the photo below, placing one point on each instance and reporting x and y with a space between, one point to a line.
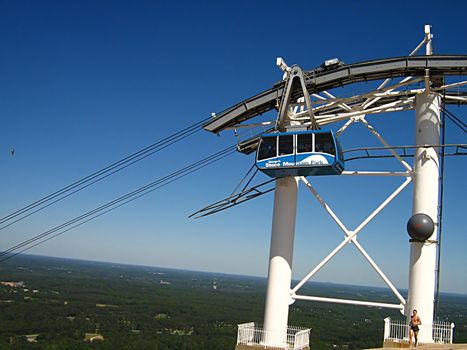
85 83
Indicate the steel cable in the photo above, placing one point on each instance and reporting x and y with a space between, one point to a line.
99 175
457 121
114 204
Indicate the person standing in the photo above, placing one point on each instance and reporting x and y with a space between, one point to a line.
415 321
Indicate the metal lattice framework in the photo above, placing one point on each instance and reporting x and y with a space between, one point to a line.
328 108
302 100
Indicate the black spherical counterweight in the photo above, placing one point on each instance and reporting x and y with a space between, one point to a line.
420 227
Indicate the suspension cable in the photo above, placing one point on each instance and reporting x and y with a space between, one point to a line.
440 208
457 121
99 175
114 204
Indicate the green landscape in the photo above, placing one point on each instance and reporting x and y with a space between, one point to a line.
51 303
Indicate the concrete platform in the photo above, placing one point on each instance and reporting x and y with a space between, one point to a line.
258 347
420 347
427 347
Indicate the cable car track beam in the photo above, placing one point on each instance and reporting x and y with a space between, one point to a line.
439 65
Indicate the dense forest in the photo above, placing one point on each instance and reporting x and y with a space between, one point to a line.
62 304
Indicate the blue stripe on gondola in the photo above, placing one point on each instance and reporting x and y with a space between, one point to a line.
301 163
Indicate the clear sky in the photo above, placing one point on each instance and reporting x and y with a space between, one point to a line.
85 83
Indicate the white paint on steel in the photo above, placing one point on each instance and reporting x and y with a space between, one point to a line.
422 268
375 173
345 115
369 102
280 261
345 126
456 98
342 105
351 236
396 331
252 335
383 141
450 86
349 302
428 40
395 106
380 92
425 200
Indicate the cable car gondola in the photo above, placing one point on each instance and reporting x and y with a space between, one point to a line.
300 153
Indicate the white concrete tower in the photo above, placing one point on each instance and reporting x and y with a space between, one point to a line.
280 262
422 269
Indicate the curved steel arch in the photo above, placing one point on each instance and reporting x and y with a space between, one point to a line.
439 66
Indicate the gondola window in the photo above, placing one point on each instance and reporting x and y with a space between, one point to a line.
268 148
285 144
324 143
304 143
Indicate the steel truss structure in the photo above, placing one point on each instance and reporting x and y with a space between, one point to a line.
303 100
351 235
327 109
413 68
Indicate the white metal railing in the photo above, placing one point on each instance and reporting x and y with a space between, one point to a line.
302 339
294 338
398 331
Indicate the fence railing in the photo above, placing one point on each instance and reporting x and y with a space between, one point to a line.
294 338
438 332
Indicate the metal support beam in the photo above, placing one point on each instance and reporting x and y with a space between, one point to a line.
295 84
385 144
351 237
348 301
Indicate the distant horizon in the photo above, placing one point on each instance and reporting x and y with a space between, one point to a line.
62 300
403 290
86 84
